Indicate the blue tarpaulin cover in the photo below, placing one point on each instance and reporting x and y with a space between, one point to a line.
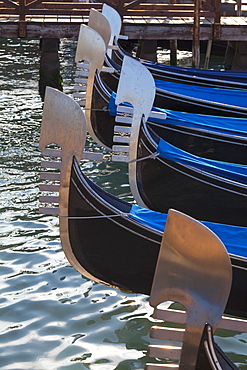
240 76
233 237
237 98
236 172
229 125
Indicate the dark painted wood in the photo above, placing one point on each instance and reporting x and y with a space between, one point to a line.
125 256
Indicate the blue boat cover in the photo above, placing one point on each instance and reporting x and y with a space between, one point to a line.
233 237
236 172
234 98
227 125
217 124
237 76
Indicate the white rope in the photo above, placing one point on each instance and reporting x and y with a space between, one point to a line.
151 156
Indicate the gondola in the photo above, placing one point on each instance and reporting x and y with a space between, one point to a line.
212 137
91 208
84 208
193 76
214 191
176 96
190 98
162 176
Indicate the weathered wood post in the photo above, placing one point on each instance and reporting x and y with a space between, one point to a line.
22 19
217 25
173 52
147 49
239 61
49 74
229 55
196 36
208 52
173 46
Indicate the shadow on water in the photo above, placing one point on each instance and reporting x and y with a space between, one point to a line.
51 316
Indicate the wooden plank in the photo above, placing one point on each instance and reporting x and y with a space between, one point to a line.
38 18
241 21
67 5
143 27
158 32
229 21
63 18
76 18
167 13
67 30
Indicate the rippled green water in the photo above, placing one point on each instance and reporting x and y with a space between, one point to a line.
50 316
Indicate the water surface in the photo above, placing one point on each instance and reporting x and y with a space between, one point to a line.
51 317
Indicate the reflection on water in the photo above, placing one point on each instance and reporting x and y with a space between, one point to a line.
51 316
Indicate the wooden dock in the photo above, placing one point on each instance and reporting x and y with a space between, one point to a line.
152 28
211 19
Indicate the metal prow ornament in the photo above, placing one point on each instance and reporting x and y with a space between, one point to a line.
63 124
116 24
136 86
193 269
98 22
90 54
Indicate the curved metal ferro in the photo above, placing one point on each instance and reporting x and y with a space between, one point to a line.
99 23
116 23
194 269
136 86
64 124
90 48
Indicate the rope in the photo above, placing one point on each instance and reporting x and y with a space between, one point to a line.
98 109
151 156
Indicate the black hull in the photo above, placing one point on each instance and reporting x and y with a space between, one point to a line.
101 122
198 142
164 184
99 244
209 352
121 252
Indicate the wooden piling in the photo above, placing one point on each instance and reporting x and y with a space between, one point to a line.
173 52
49 65
196 36
147 49
230 52
208 53
239 62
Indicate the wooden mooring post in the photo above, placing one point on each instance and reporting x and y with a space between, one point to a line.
196 36
173 52
147 49
236 56
49 65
